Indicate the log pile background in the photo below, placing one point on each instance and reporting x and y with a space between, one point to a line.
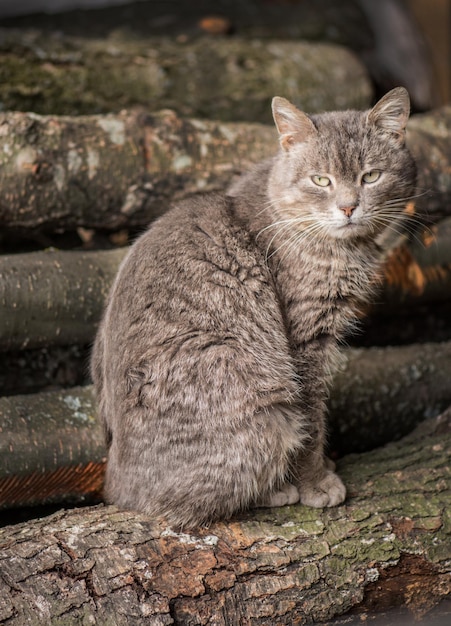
106 120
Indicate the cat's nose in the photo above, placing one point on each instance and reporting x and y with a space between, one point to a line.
347 210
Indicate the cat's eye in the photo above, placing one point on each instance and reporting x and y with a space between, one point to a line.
321 181
371 177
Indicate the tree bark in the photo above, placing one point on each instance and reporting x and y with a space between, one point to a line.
385 38
429 139
216 78
387 546
116 170
380 394
52 448
124 170
56 298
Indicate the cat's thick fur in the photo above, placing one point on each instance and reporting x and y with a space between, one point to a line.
213 358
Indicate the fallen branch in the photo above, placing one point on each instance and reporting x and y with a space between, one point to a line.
116 170
124 170
51 447
388 546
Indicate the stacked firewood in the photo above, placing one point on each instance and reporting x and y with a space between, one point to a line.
76 189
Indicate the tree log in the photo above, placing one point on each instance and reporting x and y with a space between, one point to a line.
124 170
385 38
421 270
215 78
116 170
387 546
429 139
380 394
56 298
44 369
51 447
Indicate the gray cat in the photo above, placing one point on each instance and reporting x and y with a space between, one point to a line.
214 356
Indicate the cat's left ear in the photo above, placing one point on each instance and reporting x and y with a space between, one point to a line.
392 112
293 125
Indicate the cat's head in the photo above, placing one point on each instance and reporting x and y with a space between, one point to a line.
343 175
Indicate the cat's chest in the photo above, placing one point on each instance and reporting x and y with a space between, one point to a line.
322 294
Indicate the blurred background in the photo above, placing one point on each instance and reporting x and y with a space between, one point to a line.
434 20
408 40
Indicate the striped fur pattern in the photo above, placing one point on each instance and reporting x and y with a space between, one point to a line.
222 330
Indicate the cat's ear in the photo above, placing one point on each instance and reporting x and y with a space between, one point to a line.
293 125
392 112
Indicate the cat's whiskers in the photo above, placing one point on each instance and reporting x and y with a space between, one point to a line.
394 211
309 231
401 231
301 238
307 241
399 222
286 222
284 225
272 204
281 226
406 199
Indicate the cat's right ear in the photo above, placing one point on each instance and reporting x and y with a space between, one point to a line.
293 125
392 112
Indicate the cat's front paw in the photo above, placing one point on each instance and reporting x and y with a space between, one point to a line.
287 494
328 491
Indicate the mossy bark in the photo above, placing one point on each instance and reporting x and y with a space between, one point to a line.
52 448
382 33
114 171
388 545
224 79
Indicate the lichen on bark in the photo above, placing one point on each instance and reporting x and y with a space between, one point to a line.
222 78
285 566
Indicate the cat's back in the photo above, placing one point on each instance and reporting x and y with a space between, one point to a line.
190 257
188 230
196 275
193 296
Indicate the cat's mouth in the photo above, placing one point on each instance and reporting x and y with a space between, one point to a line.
350 228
